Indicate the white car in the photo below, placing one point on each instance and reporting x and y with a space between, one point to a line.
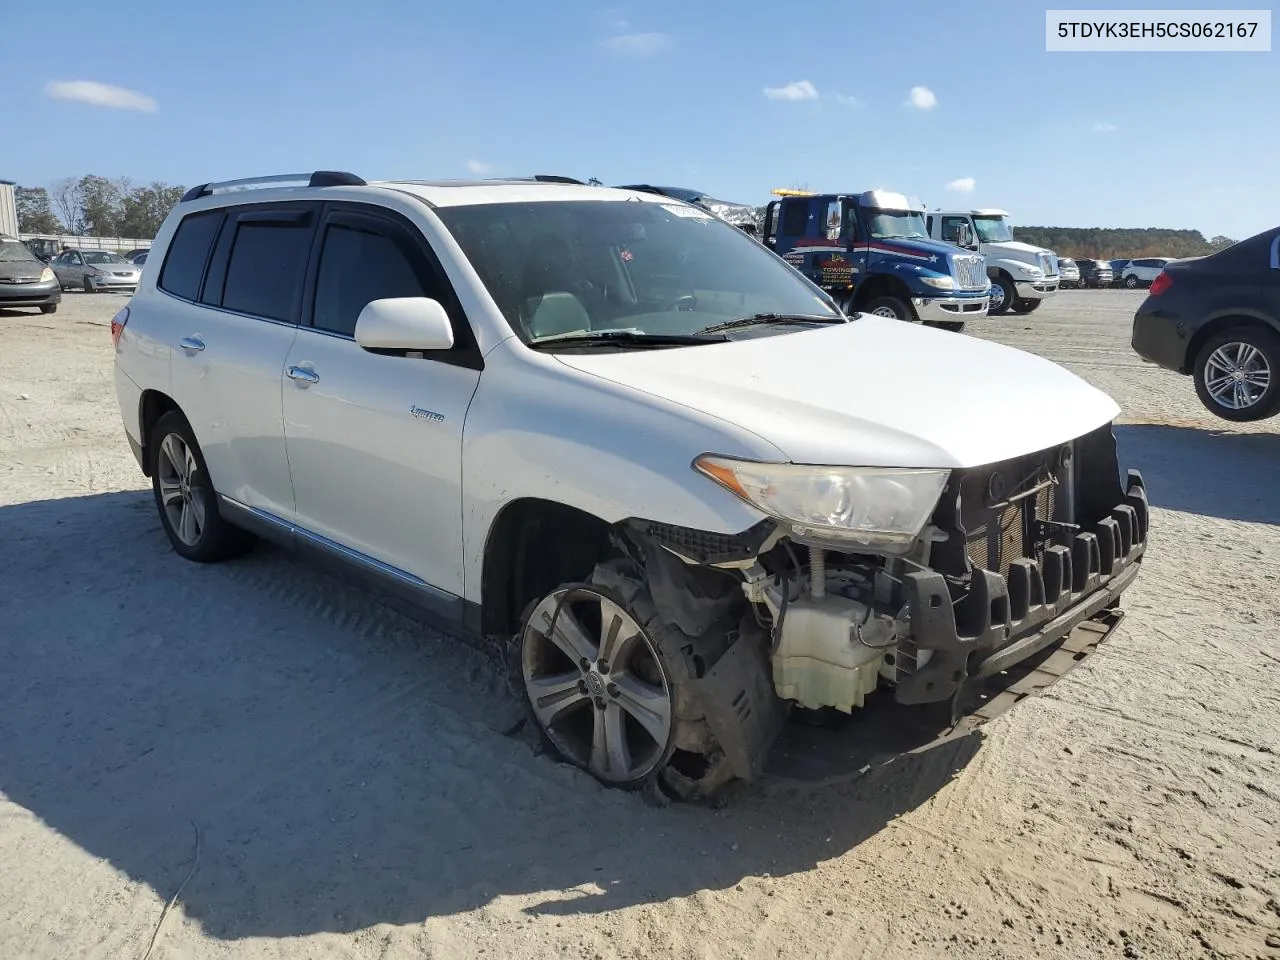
633 446
1141 272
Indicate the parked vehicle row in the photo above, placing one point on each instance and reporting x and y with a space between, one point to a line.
95 271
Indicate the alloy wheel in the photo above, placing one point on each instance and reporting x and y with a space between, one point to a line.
1236 375
596 684
182 499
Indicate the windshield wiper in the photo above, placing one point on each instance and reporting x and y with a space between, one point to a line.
592 338
758 318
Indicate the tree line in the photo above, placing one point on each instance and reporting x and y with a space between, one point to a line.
94 206
1106 243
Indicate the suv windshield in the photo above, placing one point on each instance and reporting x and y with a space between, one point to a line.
652 269
992 229
14 251
889 224
101 256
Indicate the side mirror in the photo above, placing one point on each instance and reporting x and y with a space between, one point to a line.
404 323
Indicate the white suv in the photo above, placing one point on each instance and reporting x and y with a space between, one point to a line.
634 446
1141 273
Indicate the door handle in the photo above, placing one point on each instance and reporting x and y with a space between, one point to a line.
303 374
194 344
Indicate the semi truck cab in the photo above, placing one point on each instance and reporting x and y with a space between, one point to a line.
871 251
1022 276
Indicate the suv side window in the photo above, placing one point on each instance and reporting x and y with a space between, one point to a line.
364 258
188 252
261 261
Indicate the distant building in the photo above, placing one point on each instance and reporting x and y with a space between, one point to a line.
8 209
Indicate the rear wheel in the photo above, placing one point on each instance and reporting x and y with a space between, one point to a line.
890 307
1236 374
1131 282
185 498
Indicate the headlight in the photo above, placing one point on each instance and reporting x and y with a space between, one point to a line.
878 507
1030 270
47 275
942 283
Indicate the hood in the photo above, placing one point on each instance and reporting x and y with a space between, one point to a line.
920 250
1016 246
872 392
21 269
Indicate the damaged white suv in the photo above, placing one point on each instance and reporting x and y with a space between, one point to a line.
618 434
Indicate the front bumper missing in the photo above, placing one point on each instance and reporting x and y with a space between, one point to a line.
1035 607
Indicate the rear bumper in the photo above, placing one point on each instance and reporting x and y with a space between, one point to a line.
947 309
1035 608
1036 289
1160 337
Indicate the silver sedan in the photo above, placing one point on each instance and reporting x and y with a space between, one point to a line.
95 270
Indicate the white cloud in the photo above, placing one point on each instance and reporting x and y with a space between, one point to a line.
797 90
1103 127
922 98
479 167
847 101
100 95
962 185
638 44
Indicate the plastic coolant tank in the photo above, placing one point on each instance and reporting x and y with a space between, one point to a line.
820 662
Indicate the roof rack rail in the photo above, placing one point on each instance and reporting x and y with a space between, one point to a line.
320 178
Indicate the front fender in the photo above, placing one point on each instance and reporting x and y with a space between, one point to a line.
1015 268
539 429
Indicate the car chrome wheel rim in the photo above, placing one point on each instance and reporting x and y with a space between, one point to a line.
997 296
1236 375
183 502
596 685
885 312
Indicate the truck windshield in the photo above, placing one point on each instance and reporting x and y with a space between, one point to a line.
992 229
895 224
655 269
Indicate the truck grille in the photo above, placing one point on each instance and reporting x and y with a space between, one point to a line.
1049 264
971 273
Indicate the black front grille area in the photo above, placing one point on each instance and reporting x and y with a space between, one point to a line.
1002 512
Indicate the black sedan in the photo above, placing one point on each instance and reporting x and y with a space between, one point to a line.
1217 318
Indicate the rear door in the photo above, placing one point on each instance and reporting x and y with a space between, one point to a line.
375 438
230 341
1271 279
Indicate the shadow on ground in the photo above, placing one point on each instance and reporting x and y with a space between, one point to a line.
1206 471
343 762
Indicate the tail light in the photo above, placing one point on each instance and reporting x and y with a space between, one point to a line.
117 325
1160 284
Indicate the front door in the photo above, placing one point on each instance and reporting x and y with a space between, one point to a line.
375 439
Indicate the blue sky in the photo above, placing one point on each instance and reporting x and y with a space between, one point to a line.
668 92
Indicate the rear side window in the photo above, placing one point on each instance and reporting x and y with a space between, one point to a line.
363 261
266 266
188 253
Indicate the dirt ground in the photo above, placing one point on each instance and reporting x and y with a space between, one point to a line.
356 796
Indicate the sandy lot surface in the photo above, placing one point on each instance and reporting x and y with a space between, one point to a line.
356 797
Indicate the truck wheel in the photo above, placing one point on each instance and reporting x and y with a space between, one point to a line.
890 307
1237 374
1003 293
609 684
